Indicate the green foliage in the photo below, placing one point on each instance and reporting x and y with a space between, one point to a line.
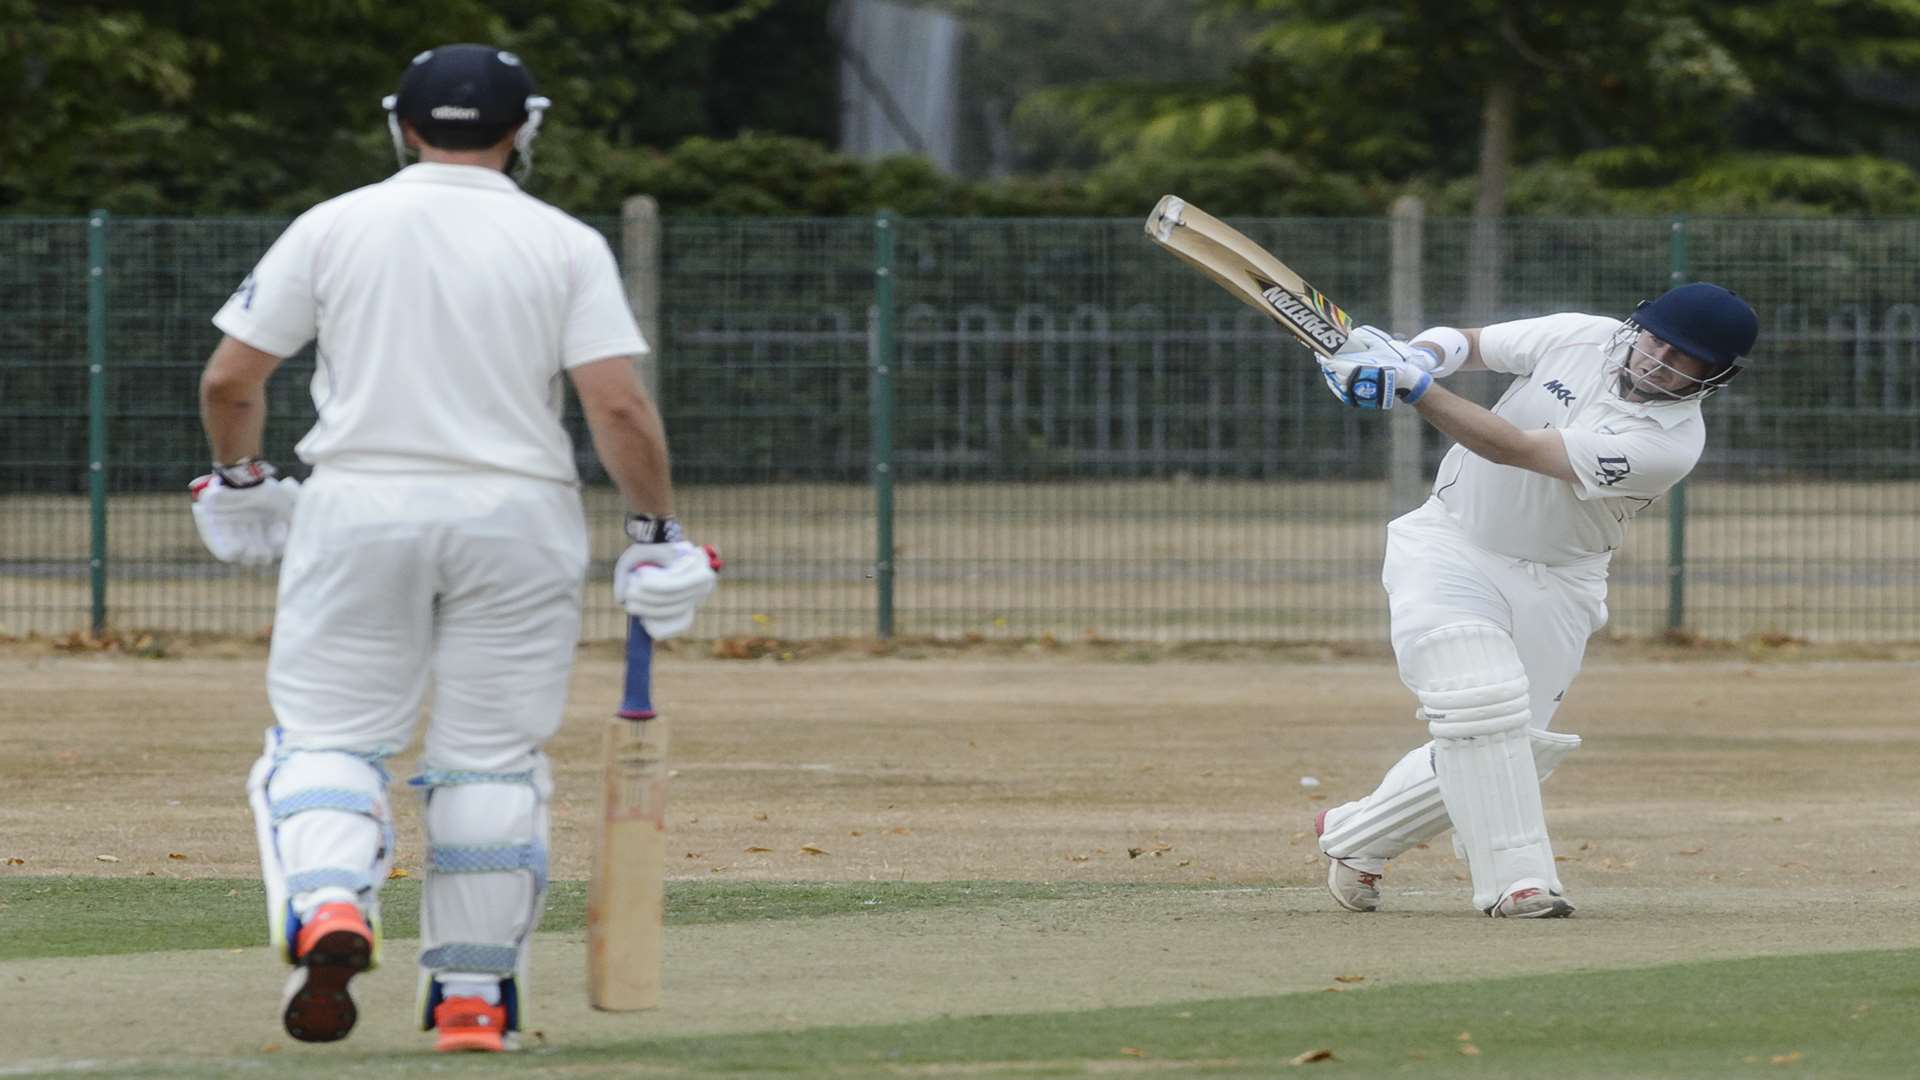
235 107
1637 181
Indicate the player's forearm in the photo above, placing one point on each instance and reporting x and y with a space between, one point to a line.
1472 426
233 399
632 444
234 414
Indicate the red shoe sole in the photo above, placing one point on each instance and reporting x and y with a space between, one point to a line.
322 1010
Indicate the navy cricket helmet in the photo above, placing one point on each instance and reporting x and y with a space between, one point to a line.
1704 321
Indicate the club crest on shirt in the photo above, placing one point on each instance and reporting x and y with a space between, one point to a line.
1612 470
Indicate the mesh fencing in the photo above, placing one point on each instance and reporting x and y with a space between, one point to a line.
1080 437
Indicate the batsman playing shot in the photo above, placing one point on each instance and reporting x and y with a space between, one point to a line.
438 550
1494 585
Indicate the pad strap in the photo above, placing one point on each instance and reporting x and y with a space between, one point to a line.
470 956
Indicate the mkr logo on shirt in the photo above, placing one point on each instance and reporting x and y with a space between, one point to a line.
1557 390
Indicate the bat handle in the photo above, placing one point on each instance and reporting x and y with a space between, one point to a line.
637 701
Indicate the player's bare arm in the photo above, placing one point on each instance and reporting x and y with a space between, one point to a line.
1543 451
233 398
627 433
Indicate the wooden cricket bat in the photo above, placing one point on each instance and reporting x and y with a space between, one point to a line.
1250 272
626 900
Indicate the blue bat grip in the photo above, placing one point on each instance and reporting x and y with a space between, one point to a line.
637 703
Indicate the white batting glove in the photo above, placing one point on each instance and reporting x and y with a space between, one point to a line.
243 511
1372 371
661 578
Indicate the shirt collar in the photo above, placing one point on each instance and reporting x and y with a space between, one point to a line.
437 172
1668 415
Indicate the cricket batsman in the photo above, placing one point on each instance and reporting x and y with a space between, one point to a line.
438 551
1495 584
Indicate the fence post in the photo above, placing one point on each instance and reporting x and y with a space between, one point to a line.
97 418
880 358
1406 301
1677 497
640 267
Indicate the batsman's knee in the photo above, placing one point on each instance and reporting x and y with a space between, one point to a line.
1469 680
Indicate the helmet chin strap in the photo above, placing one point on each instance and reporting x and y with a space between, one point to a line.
520 163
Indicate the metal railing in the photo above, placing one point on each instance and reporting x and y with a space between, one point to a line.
1021 428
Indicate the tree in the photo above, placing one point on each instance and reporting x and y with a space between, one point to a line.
231 106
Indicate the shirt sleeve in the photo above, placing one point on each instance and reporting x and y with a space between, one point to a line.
1517 347
599 322
274 309
1639 462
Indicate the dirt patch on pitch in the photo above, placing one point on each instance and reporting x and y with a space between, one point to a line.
1719 808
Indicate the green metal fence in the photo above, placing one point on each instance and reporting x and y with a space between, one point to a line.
1022 428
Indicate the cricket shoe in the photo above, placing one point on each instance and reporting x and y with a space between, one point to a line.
1353 888
1530 898
469 1023
334 945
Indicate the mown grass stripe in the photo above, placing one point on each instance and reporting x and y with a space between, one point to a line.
74 916
1839 1014
1846 1014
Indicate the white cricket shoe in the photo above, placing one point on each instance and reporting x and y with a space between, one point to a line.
1530 898
1353 886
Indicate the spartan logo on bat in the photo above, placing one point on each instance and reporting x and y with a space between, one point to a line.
1316 318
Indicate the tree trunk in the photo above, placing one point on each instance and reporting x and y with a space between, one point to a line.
1485 258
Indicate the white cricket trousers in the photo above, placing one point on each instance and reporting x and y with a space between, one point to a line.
1435 577
468 583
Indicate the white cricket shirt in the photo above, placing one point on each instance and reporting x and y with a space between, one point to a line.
446 303
1625 454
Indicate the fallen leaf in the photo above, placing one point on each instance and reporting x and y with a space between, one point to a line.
270 1048
1311 1056
1469 1050
1316 797
901 830
1335 990
759 817
812 849
15 860
1134 852
757 850
107 858
1184 862
396 872
696 854
1690 851
1465 1036
856 832
717 869
1132 1052
176 855
1785 1059
1349 978
1078 858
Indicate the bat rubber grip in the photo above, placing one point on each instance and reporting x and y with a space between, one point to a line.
636 703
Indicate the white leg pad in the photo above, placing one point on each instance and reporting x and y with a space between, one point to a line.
486 878
1474 692
325 833
1406 809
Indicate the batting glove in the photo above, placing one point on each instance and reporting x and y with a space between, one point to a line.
661 578
1372 370
243 511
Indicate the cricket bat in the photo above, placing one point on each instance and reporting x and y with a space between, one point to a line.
626 900
1250 272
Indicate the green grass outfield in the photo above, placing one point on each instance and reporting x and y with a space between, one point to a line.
1854 1014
